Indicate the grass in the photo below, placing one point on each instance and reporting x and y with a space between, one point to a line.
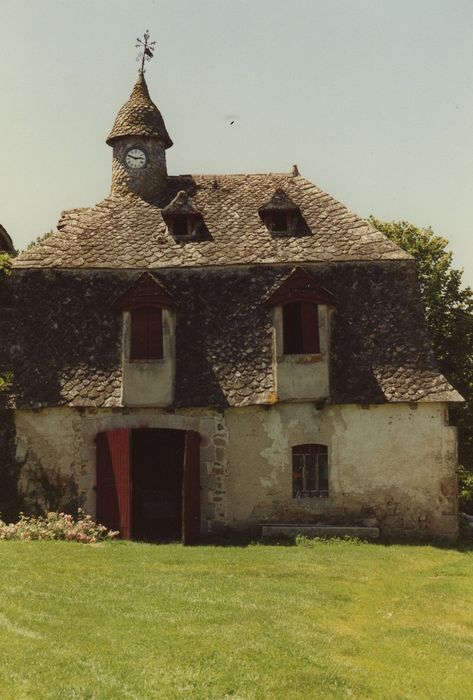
332 620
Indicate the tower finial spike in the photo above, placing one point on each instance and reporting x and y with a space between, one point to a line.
146 50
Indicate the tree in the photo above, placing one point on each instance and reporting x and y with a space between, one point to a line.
39 239
449 313
4 263
4 270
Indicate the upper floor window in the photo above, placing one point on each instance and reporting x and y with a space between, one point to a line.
183 219
146 333
309 471
279 213
279 221
180 227
300 328
145 304
301 314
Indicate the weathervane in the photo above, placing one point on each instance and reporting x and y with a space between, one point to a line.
146 50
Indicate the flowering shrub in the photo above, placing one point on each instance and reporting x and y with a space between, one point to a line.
56 526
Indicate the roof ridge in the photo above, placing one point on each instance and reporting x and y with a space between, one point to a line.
262 174
126 231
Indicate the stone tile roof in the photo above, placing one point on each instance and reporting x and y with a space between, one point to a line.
127 232
139 116
61 337
181 205
278 202
380 350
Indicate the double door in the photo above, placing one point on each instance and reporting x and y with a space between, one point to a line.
148 483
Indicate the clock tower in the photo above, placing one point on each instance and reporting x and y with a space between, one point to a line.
139 140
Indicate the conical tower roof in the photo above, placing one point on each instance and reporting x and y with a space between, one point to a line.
140 116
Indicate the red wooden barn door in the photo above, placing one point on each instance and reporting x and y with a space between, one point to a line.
191 489
114 480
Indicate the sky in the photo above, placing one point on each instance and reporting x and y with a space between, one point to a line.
373 99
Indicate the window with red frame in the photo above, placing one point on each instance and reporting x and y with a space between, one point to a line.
300 328
146 333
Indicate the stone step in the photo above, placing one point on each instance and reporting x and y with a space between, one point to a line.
293 529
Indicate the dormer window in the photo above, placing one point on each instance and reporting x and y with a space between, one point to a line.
180 227
280 222
301 310
146 333
300 328
145 303
182 217
148 343
279 214
300 298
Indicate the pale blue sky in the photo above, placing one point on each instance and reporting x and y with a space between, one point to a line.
373 99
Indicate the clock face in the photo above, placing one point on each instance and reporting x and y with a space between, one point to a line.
135 158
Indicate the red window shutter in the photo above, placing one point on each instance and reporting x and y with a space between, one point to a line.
300 328
139 335
292 329
114 481
155 333
146 334
310 327
191 489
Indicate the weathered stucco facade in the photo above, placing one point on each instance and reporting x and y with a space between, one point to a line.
244 338
391 466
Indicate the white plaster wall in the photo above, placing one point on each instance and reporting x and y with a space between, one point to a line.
63 439
149 382
391 463
302 376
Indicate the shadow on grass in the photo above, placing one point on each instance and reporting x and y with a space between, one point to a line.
233 539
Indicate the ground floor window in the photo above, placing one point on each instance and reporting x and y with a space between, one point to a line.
309 471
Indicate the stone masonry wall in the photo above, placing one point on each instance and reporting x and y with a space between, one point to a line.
145 182
61 442
392 466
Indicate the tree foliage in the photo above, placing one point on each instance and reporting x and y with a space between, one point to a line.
39 239
5 264
449 312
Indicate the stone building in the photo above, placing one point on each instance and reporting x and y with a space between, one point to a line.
207 352
6 243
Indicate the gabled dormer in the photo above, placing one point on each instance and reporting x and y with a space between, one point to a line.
280 214
301 320
148 342
183 220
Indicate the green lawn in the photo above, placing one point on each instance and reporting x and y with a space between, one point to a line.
336 620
